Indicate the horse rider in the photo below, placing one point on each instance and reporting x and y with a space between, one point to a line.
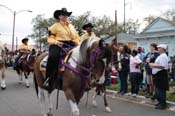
62 35
24 48
88 32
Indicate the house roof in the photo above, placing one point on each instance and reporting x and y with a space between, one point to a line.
154 35
168 26
121 36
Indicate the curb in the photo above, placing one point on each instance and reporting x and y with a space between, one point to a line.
141 99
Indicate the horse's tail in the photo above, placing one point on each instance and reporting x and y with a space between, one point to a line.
36 84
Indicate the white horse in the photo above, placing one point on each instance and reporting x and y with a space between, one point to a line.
2 67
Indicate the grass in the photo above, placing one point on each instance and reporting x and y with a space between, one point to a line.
170 96
172 83
114 87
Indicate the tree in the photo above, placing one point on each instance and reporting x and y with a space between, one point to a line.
79 21
40 29
103 27
148 20
169 14
132 26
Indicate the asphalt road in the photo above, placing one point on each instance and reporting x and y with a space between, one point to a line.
17 100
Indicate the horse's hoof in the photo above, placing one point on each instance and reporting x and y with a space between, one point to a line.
108 109
76 113
44 115
3 88
27 85
94 103
20 81
49 114
3 85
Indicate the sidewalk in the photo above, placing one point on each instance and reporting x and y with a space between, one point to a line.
140 99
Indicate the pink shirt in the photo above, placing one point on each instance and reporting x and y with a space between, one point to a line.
133 62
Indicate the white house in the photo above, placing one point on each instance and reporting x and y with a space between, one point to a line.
160 31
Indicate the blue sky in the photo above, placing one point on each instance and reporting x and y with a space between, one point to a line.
135 9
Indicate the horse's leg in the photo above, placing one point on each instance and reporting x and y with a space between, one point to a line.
94 102
27 81
20 77
50 112
107 108
3 84
42 101
71 99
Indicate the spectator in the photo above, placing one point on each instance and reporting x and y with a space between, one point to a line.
150 58
140 55
135 73
123 68
160 73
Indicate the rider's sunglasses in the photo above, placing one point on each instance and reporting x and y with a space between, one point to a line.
64 14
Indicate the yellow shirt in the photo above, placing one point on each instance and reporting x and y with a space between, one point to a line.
87 35
63 32
24 48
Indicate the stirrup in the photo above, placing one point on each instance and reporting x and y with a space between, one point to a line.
46 83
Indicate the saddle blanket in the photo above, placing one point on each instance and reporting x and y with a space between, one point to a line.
43 63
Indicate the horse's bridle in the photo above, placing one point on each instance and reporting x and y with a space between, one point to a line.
93 58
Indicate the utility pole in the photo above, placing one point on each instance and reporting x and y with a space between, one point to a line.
115 25
124 24
13 33
16 43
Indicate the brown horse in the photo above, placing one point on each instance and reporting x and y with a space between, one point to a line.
88 61
26 66
2 68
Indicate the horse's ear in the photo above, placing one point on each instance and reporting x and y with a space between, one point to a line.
101 43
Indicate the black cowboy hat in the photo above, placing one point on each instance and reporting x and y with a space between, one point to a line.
63 11
25 39
87 25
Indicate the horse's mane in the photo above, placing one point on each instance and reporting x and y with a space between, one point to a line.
84 47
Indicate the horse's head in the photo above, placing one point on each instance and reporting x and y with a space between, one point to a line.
30 59
98 57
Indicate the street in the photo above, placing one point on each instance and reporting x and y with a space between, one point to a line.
17 100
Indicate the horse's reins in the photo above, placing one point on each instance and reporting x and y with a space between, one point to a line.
89 70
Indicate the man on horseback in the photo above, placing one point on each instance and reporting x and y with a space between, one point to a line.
24 49
62 35
88 32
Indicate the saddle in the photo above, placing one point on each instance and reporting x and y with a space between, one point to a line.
22 58
43 63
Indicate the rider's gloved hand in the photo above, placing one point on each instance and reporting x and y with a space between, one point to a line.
60 44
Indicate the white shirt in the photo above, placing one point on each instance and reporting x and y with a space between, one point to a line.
163 60
133 62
